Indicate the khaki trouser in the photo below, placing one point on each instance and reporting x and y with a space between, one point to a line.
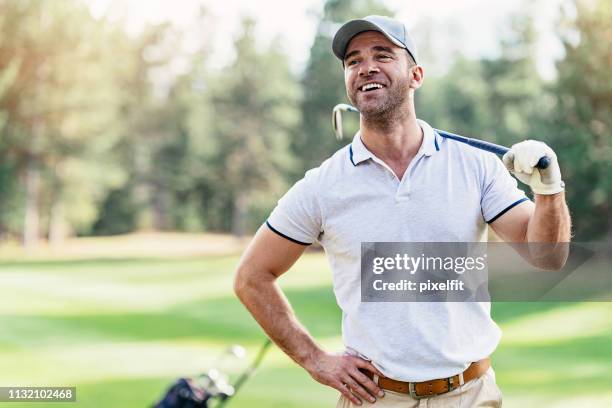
481 392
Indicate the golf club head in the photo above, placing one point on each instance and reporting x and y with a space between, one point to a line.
337 118
218 384
238 351
337 123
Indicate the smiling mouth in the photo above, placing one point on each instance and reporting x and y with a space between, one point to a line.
372 86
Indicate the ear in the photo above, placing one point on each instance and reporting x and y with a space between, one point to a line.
416 76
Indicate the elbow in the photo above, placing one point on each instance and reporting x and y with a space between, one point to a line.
554 257
240 283
552 265
558 262
248 281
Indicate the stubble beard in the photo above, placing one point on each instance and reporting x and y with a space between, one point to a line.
386 113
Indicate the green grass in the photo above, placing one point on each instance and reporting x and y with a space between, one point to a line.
121 330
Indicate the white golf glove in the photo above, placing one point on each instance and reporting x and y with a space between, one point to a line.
521 161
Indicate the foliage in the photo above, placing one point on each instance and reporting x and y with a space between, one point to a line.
254 104
100 135
581 125
495 98
58 122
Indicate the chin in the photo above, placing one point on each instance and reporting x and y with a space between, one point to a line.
372 108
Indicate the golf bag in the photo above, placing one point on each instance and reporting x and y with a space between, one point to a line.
185 393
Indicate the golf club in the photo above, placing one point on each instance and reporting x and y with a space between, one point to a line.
543 163
214 385
249 371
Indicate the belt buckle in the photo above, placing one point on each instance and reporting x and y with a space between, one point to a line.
413 393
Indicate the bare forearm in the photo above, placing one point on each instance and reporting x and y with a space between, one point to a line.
268 304
550 221
270 307
548 233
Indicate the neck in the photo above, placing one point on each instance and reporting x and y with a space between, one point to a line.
394 136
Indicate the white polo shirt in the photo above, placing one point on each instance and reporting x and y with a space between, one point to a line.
448 194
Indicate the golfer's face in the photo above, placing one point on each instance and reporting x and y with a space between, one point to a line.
376 72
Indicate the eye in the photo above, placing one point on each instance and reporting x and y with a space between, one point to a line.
384 57
351 62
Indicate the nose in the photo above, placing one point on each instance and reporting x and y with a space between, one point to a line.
369 69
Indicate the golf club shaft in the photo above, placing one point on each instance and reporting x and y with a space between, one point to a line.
249 371
543 163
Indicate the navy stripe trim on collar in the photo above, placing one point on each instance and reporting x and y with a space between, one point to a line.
351 155
436 141
505 210
285 236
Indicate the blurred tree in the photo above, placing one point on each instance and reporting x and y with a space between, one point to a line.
514 87
457 100
10 200
149 118
495 98
581 128
58 121
189 171
99 135
323 84
192 164
211 152
255 112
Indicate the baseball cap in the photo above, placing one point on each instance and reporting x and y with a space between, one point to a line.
394 30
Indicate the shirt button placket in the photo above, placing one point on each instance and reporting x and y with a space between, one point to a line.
402 194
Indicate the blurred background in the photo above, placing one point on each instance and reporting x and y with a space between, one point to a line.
143 142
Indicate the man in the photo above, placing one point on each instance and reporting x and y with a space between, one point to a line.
398 181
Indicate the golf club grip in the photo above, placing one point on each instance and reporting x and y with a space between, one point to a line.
543 163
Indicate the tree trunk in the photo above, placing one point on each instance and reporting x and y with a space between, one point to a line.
239 215
143 190
159 207
32 220
609 237
58 227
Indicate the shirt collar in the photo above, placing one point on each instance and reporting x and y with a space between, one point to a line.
358 152
430 143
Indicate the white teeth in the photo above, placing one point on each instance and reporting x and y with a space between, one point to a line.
372 85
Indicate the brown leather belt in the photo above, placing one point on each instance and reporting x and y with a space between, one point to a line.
432 388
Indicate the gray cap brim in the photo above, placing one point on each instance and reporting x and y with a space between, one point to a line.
349 30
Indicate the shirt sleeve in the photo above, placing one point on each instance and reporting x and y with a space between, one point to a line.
500 191
297 216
